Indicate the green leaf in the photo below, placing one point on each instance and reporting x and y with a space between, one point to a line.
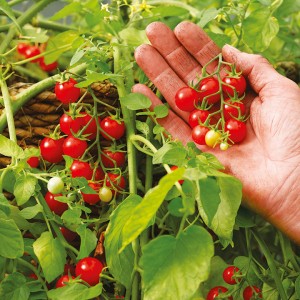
13 287
142 127
4 204
297 287
175 267
248 266
51 255
135 101
75 291
259 29
161 111
158 129
219 39
120 265
72 216
92 76
170 153
12 245
175 207
10 148
133 37
188 197
66 11
88 241
207 15
24 188
31 211
9 12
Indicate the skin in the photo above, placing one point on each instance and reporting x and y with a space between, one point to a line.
268 161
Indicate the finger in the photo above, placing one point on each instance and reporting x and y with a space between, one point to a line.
198 44
166 43
173 124
161 74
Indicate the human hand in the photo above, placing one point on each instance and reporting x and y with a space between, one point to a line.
268 161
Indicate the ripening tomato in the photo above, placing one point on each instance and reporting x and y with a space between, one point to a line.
217 291
81 169
229 274
62 281
89 270
52 150
22 47
105 194
92 198
233 109
90 124
68 125
69 235
237 83
33 161
48 67
207 88
113 159
198 117
55 205
186 98
112 128
237 130
74 147
115 180
55 185
252 292
212 138
198 134
66 91
31 52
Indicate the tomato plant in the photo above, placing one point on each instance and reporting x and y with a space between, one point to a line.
52 149
70 125
81 169
112 128
55 185
105 194
66 91
229 274
92 198
113 159
74 147
55 205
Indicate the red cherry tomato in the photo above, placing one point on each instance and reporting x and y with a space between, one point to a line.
62 281
217 291
115 180
90 125
55 205
22 47
66 91
198 134
48 67
32 51
74 147
198 117
251 292
233 109
89 270
99 174
81 169
92 198
113 159
238 84
69 235
112 128
237 130
33 161
229 273
33 276
68 125
186 98
52 150
207 87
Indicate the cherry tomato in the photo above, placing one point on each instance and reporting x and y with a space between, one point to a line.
81 169
33 276
62 281
217 291
33 161
224 146
22 47
52 150
69 235
54 205
90 125
198 134
68 125
115 180
92 198
212 138
55 185
32 51
186 98
99 174
47 67
233 109
89 270
113 159
112 128
207 87
238 84
198 117
74 147
251 292
66 91
237 130
229 273
174 168
105 194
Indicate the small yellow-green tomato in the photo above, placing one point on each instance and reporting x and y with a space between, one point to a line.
55 185
224 146
105 194
212 138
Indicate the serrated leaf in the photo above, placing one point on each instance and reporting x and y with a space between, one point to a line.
51 255
161 111
175 267
157 129
142 127
121 264
7 10
10 148
88 241
24 188
136 101
31 211
72 216
170 153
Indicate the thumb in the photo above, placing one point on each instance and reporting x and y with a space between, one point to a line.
255 68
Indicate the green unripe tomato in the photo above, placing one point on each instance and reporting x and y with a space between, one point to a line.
55 185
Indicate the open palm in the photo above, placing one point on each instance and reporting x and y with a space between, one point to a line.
268 160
